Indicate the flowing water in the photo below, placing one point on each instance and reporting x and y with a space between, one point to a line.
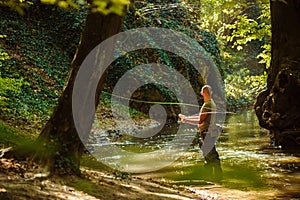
248 162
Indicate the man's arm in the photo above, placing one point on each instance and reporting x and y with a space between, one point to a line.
194 120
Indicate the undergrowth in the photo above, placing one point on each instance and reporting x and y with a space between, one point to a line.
38 48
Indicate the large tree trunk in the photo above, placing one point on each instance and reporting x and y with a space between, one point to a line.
278 108
59 145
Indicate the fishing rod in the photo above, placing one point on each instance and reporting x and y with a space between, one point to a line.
214 112
152 102
170 103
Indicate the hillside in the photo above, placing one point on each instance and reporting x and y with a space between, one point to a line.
40 46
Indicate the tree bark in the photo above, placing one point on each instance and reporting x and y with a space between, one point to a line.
59 145
278 107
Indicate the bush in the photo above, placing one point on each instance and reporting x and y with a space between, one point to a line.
242 88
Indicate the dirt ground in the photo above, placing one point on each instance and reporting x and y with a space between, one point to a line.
17 183
26 180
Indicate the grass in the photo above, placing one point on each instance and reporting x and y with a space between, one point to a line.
90 162
10 136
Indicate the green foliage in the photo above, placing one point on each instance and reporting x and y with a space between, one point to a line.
61 3
175 16
245 30
18 5
43 43
44 40
242 33
239 26
242 88
111 6
104 6
12 137
3 54
85 185
235 23
7 84
214 15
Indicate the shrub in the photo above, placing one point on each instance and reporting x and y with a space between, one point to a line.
242 88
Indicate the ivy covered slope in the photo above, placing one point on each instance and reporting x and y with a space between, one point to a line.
169 14
37 49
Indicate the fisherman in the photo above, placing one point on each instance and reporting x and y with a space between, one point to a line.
203 120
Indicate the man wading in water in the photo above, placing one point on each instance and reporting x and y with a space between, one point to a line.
203 120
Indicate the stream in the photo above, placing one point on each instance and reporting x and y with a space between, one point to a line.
249 163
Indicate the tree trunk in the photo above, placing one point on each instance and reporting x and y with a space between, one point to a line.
59 145
278 107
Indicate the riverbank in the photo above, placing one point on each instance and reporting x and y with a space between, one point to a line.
92 185
27 181
249 173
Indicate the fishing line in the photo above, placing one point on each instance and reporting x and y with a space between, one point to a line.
165 103
151 102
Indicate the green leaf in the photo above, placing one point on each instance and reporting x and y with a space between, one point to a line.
239 48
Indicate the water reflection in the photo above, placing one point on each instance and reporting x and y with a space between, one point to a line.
247 160
245 145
